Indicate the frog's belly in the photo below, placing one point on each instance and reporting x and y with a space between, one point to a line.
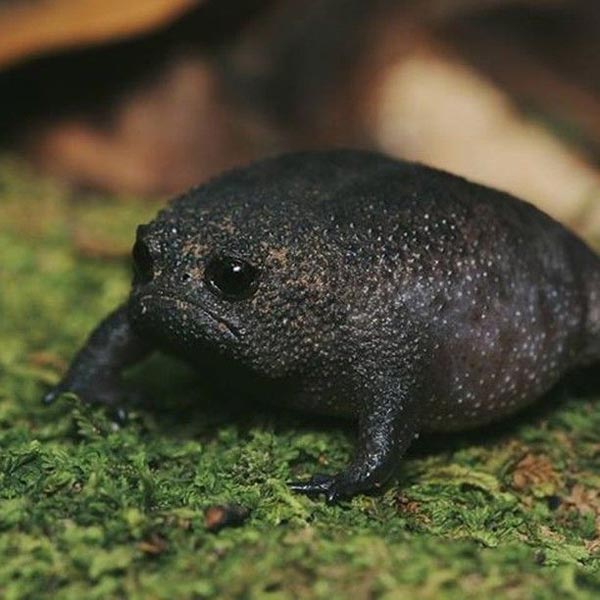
487 373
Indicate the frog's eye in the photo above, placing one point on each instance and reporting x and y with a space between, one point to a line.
143 263
231 277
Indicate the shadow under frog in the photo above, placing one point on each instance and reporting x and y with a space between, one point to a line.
350 284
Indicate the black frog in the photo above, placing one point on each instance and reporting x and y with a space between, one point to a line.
349 283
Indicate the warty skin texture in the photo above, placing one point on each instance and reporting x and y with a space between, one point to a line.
406 298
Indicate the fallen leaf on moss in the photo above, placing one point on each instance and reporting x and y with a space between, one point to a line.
154 545
230 515
536 473
593 546
584 500
551 535
406 505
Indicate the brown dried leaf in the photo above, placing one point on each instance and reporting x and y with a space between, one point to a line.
593 546
535 472
154 545
406 505
230 515
475 131
584 500
551 535
29 28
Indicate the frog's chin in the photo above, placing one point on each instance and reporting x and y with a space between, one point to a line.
181 324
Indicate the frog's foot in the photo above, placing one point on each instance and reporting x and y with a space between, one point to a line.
95 373
333 487
105 388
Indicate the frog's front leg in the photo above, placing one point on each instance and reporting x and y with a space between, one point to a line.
95 372
387 425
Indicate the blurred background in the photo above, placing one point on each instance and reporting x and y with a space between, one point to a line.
151 96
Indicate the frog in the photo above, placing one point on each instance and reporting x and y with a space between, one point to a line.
350 283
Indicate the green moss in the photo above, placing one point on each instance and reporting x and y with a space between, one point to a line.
89 510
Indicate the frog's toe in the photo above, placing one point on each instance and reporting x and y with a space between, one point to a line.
333 487
106 390
51 396
318 484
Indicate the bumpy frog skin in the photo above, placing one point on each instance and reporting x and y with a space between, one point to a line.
348 283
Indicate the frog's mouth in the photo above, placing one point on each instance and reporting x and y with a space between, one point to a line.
181 319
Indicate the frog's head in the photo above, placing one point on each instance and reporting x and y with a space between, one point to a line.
247 268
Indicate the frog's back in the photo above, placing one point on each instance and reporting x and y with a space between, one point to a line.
520 254
510 297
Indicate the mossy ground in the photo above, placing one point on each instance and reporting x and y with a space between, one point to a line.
90 510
